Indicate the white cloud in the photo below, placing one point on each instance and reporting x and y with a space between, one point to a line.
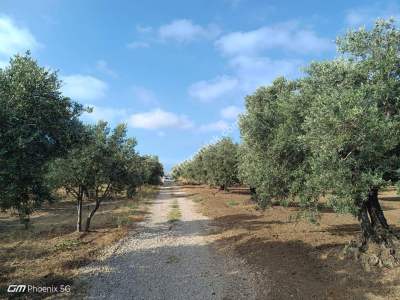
14 39
250 68
102 66
184 30
159 119
138 45
230 112
108 114
369 14
83 87
215 126
257 71
212 89
287 36
144 95
249 73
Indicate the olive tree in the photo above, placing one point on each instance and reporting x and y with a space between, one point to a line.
271 154
353 126
96 170
37 124
333 133
221 162
152 170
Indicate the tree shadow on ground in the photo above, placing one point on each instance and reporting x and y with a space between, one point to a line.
239 190
182 195
296 270
249 222
351 229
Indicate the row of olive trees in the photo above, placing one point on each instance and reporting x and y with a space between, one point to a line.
44 146
333 134
105 164
214 164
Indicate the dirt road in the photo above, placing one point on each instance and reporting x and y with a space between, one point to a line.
164 260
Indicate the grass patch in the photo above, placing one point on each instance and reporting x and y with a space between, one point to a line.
65 245
174 214
232 203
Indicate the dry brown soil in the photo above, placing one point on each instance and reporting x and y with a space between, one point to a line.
293 258
50 252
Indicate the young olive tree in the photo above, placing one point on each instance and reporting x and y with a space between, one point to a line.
101 167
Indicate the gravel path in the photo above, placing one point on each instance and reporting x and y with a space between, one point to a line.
169 261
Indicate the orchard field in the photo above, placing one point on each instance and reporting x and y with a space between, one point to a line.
300 202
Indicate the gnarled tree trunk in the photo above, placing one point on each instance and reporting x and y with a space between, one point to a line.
375 232
372 219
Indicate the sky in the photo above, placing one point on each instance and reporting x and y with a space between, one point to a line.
176 72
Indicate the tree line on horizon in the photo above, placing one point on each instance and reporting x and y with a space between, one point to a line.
44 147
333 133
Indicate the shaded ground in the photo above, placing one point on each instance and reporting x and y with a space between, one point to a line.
169 259
297 260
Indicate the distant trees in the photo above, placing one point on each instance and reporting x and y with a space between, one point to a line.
37 124
215 164
44 146
152 170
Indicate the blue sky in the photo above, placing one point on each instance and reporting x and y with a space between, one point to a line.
176 71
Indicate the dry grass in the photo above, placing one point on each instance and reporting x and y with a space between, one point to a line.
50 251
